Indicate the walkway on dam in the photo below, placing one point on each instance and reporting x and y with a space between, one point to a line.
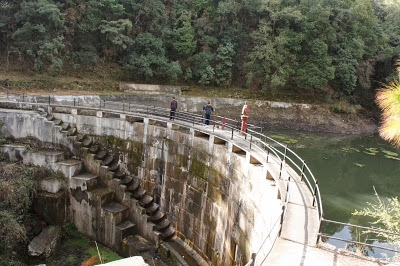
297 244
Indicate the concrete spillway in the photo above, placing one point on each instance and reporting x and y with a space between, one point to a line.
132 173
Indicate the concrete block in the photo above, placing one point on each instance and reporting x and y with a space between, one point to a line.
14 153
84 181
44 157
51 206
114 214
69 167
51 185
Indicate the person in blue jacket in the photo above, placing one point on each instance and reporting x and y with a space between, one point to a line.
207 113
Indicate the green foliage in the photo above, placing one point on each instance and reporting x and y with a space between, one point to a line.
147 58
345 47
202 71
182 37
114 31
224 66
40 35
12 234
386 216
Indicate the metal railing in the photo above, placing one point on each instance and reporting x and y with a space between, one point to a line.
367 230
276 152
254 136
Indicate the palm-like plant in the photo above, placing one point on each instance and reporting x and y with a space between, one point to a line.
388 99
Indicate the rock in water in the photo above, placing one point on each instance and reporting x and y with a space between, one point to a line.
45 244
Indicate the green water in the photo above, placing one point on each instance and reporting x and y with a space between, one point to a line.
348 168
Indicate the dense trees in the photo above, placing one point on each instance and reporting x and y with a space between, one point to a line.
340 46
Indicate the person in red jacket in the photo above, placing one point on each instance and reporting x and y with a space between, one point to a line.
173 106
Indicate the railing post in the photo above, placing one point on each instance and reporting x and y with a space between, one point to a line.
251 138
302 170
284 159
49 99
74 101
129 104
23 97
123 107
232 134
267 153
320 228
315 191
283 212
245 134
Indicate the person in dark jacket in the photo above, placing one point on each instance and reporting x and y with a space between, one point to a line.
173 106
207 113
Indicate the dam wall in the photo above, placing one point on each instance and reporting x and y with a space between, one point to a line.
221 197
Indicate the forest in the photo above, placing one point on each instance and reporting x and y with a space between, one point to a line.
341 48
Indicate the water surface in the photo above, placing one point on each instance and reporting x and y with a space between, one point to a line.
348 168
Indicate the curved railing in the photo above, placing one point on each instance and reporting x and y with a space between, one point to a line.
276 151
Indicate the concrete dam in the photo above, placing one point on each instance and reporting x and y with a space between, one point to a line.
217 192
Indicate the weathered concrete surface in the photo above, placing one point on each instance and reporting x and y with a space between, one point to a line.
45 244
286 252
215 190
150 89
14 153
269 114
51 185
52 207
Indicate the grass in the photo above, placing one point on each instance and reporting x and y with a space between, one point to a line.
77 239
108 84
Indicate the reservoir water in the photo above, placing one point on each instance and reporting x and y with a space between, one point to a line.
348 168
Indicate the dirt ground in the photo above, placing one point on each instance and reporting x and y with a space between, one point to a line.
315 119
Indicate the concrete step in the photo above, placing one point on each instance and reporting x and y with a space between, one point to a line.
120 174
126 180
103 195
158 216
117 210
72 131
80 137
85 181
138 194
65 126
152 208
101 154
114 167
94 148
69 168
134 185
134 245
169 233
87 141
125 229
146 200
108 160
44 157
114 214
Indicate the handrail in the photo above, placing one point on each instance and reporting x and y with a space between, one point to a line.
368 229
251 136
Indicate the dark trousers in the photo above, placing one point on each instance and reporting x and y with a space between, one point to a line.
207 119
172 114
